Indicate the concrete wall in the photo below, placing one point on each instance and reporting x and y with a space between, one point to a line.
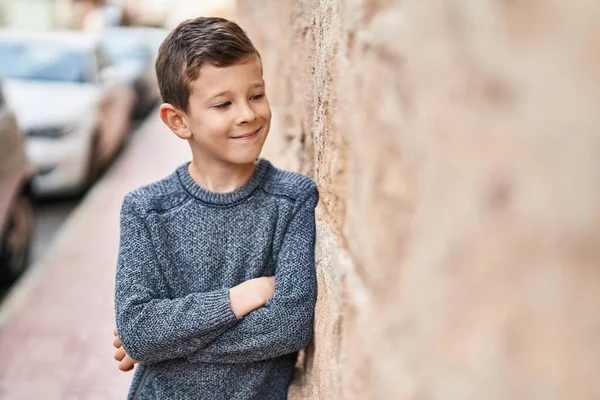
456 145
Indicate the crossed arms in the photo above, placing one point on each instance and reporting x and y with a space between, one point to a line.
259 319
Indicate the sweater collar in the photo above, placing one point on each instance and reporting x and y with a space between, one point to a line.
262 168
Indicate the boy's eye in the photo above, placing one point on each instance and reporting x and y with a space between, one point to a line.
257 96
222 106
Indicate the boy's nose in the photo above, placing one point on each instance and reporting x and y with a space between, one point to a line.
247 114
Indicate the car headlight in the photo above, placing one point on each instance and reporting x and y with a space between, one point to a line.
51 132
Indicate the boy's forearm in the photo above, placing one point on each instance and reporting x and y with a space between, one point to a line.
250 295
145 343
241 305
242 302
158 330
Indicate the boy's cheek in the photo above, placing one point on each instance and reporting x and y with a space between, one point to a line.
267 113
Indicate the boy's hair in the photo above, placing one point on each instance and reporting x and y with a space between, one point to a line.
191 44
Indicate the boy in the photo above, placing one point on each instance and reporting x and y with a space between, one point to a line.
216 285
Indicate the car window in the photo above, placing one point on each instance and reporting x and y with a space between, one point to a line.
43 61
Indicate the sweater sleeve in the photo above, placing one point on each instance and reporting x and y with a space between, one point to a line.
153 327
285 324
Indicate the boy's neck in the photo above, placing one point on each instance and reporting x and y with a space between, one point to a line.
221 177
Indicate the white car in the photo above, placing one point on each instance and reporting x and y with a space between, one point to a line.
74 113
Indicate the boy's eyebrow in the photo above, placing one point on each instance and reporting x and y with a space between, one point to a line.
224 92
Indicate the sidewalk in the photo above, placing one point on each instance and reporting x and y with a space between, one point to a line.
56 324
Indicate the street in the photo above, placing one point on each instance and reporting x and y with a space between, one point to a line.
49 217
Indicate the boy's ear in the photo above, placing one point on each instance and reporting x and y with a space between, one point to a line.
175 120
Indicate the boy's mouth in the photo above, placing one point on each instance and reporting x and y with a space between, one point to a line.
247 136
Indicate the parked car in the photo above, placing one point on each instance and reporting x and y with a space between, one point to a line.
16 212
68 100
134 51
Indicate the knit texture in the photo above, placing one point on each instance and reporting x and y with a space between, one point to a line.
181 248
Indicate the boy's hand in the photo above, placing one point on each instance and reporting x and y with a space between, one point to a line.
126 363
250 295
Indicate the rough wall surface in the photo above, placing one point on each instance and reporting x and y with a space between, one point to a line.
456 145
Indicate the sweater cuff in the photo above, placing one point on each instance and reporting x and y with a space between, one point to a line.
231 309
218 304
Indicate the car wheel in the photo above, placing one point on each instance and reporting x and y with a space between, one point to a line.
16 241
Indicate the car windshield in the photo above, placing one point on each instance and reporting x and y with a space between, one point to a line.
43 61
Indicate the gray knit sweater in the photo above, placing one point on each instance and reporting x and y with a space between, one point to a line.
181 249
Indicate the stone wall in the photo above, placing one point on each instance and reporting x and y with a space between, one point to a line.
456 145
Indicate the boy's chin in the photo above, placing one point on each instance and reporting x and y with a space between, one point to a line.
246 158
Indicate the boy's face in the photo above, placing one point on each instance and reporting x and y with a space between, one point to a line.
229 114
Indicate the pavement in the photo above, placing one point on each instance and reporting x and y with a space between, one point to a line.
56 324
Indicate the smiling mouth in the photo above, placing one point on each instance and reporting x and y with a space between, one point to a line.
249 135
